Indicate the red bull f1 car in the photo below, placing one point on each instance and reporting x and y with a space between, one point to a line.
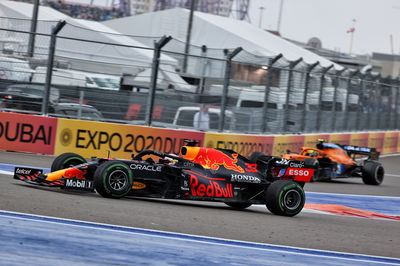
339 161
197 174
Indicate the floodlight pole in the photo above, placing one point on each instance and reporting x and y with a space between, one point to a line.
50 62
154 73
227 77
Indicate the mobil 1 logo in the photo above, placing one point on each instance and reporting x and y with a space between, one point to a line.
78 184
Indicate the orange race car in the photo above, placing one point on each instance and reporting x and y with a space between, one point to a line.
339 161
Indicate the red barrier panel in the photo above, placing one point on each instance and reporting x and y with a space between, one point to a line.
27 133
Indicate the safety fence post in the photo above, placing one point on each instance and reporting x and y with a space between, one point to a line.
321 91
310 68
268 84
154 73
346 120
50 62
379 106
227 77
396 107
335 89
32 35
292 65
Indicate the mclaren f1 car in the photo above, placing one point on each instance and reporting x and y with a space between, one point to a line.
342 161
197 174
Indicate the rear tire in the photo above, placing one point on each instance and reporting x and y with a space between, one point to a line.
66 160
372 173
285 198
113 179
238 205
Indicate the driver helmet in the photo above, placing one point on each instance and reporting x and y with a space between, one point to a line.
311 153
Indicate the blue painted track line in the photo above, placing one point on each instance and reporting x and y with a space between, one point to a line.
47 240
378 204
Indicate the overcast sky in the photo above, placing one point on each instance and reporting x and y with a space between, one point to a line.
329 20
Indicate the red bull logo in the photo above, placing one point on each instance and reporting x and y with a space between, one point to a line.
74 173
212 159
212 189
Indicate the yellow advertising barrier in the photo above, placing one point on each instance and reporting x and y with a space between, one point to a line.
120 141
242 144
35 134
283 144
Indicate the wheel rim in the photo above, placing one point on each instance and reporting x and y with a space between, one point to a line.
118 180
292 199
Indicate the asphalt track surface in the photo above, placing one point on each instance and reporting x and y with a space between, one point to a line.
377 237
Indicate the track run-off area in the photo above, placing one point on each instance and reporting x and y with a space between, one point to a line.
344 222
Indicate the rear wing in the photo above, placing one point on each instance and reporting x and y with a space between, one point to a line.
293 169
372 153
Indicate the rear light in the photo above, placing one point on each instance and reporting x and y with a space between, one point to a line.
8 97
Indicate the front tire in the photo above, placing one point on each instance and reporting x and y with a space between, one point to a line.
113 179
238 205
372 173
285 198
66 160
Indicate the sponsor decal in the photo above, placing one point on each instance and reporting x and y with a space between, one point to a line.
211 189
26 133
245 178
213 159
298 172
145 167
354 148
138 185
74 173
79 184
298 164
18 172
244 147
66 137
97 140
283 161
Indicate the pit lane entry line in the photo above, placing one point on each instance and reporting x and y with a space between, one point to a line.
45 239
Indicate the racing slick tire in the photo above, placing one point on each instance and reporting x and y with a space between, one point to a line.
66 160
313 162
255 156
285 197
372 173
113 179
238 205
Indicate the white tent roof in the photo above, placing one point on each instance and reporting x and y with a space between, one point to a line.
88 30
214 32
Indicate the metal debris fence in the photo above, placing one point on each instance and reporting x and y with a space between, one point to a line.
139 80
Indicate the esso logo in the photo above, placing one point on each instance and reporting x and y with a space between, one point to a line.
299 172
